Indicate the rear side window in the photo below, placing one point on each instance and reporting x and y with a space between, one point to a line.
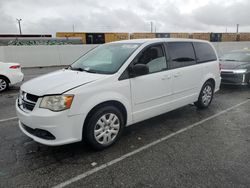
204 52
181 53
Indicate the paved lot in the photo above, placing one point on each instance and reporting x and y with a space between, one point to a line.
207 148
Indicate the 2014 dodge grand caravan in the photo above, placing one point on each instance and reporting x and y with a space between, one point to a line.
115 85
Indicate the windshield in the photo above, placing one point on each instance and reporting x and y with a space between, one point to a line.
105 59
236 56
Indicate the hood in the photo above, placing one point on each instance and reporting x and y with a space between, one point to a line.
233 64
59 81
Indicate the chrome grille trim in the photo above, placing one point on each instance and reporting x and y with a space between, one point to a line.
25 104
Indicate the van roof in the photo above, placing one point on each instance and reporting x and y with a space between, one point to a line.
153 40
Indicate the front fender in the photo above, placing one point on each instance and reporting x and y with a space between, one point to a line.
105 97
86 98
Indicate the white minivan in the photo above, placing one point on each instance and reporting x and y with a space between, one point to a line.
115 85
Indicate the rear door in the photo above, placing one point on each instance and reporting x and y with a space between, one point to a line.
186 73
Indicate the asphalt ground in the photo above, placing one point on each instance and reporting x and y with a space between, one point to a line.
183 148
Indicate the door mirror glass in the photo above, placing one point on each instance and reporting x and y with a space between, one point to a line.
139 69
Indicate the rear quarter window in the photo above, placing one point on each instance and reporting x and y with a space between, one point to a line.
204 52
181 53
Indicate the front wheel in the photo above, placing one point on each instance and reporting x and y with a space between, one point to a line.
206 95
104 127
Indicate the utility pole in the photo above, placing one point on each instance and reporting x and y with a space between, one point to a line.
151 27
73 26
19 25
237 28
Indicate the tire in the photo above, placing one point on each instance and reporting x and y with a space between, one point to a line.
103 128
4 84
206 96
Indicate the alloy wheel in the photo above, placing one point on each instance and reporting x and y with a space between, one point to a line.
3 84
207 95
107 128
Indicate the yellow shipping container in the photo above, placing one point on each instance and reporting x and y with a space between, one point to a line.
110 37
179 35
244 36
201 36
227 37
72 35
142 35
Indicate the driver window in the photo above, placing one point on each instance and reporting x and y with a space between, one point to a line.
154 58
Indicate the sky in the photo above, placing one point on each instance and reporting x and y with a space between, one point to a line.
51 16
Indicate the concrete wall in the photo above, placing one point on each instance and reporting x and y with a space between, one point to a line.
1 54
39 56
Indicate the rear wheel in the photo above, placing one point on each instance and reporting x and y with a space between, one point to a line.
104 127
206 95
4 84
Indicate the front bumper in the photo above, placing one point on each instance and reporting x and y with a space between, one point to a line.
64 128
230 78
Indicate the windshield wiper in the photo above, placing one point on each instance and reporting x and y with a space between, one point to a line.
228 60
89 70
77 69
81 69
69 67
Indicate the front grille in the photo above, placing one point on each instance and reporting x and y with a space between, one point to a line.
27 105
232 78
39 133
31 97
226 75
27 101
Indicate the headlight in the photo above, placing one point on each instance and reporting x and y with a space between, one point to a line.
239 71
57 102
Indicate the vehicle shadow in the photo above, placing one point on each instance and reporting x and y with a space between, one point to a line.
11 91
224 89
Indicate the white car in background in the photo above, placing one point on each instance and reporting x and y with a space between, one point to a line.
10 73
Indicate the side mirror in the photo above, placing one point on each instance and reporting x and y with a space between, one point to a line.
139 69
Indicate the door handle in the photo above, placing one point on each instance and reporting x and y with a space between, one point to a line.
166 77
177 75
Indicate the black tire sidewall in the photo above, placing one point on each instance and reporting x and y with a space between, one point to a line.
7 83
88 130
199 103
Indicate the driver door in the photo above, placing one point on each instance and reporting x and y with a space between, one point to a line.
151 92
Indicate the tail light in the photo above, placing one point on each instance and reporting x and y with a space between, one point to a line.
15 67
